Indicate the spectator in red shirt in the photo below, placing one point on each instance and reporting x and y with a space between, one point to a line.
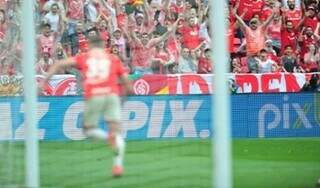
255 37
115 15
177 7
205 63
239 66
118 39
306 38
115 49
272 54
274 32
78 41
104 32
75 14
82 42
141 22
190 34
161 58
248 8
267 10
292 14
143 48
311 59
7 67
289 36
75 11
244 8
257 6
254 33
46 40
310 18
44 63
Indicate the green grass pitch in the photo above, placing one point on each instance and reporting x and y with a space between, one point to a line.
187 163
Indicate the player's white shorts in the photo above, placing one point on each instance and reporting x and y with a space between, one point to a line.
108 106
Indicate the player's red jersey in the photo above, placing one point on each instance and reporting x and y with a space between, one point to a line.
100 72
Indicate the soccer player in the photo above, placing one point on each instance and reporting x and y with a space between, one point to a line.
101 72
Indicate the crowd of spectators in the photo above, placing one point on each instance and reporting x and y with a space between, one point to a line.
168 36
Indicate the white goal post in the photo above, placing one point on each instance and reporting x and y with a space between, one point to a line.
30 95
222 176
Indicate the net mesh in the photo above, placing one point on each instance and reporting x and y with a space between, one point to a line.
11 166
168 137
11 147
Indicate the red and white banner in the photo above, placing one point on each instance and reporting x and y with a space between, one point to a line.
170 84
202 83
58 85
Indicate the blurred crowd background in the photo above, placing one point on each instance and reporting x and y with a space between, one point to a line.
168 36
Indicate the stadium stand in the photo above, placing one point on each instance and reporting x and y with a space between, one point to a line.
132 29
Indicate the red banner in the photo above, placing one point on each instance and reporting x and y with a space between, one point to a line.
202 83
170 84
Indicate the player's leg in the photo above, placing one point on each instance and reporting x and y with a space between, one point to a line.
112 116
93 109
117 144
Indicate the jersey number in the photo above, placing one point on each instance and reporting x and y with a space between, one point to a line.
98 69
